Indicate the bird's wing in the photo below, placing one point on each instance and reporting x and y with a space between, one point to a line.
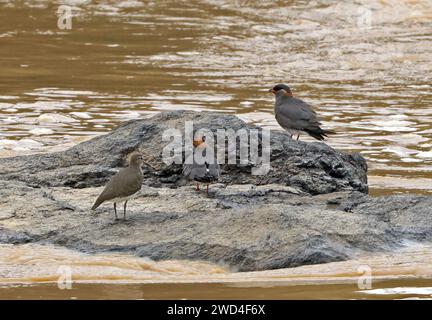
124 183
194 170
215 169
132 183
296 114
198 170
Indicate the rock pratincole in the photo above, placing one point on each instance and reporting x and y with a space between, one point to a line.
205 170
295 115
123 185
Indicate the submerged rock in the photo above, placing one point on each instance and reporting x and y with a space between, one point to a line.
314 168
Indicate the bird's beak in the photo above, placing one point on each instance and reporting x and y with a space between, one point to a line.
272 91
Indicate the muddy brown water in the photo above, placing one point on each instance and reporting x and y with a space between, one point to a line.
214 291
365 66
33 271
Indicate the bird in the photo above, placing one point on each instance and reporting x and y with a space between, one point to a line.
123 185
206 172
295 115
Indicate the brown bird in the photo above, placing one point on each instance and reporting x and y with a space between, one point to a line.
206 172
295 115
123 185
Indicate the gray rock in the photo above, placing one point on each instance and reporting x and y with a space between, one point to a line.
311 208
13 237
314 168
244 226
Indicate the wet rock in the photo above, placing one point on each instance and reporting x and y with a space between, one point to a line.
314 168
13 237
247 227
311 207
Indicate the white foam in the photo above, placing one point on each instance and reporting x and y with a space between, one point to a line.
400 151
27 144
130 4
131 115
393 125
43 105
424 155
411 138
59 93
410 160
9 120
41 131
385 124
8 97
4 105
81 115
54 118
400 290
7 144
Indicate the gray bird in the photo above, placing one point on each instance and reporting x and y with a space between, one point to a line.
123 185
295 115
206 172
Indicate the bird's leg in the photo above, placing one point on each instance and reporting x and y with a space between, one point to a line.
197 187
124 210
298 136
207 189
115 210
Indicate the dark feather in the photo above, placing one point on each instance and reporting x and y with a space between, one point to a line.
318 133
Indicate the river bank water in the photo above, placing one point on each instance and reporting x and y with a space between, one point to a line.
36 271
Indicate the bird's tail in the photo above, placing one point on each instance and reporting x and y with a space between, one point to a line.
319 133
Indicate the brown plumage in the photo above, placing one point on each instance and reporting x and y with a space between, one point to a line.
123 185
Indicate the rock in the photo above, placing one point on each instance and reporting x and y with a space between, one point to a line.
311 208
314 168
12 237
244 226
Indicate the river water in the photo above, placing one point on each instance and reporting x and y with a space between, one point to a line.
36 271
365 66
